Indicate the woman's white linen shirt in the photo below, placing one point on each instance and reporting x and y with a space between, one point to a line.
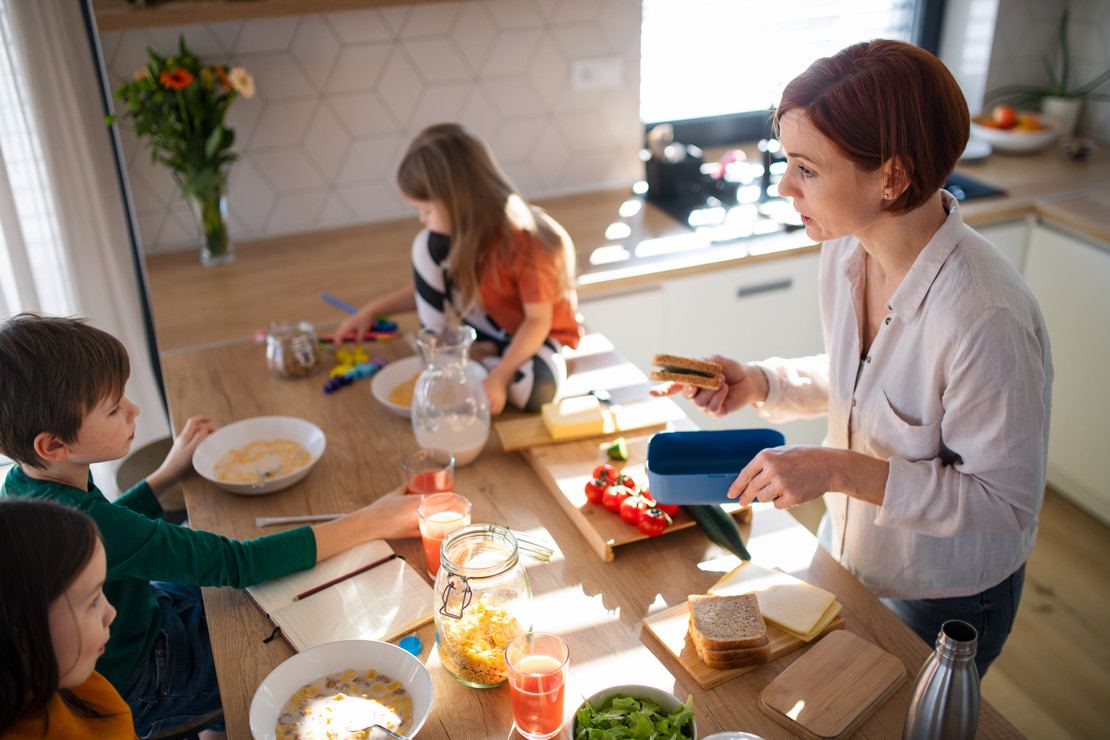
955 393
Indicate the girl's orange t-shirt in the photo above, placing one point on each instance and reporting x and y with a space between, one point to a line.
64 723
523 273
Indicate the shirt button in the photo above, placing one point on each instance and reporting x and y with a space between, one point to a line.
868 358
853 403
888 319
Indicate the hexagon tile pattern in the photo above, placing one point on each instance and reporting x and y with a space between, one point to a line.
340 95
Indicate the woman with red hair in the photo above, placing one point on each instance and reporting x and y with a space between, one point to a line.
937 374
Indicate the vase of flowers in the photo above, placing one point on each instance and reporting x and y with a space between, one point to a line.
178 107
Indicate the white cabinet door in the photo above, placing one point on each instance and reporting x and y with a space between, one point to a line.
748 313
1071 279
633 322
1012 237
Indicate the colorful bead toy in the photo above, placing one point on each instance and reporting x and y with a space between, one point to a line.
352 366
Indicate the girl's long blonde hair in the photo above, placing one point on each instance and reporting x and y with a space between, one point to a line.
448 164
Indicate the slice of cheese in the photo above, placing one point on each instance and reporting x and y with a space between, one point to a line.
795 606
580 416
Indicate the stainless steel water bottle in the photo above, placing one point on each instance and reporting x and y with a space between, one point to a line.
945 701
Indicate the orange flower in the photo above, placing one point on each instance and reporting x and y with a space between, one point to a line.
222 74
177 79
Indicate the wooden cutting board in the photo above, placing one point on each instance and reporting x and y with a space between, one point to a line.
671 628
645 415
564 469
831 690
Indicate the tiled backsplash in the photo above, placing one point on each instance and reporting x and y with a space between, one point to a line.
340 95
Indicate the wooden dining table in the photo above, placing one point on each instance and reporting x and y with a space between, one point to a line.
596 606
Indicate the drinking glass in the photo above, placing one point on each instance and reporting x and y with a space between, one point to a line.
537 663
430 471
440 514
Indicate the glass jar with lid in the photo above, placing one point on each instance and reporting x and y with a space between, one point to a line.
291 350
483 599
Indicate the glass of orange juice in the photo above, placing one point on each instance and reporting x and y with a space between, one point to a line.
430 471
440 514
537 663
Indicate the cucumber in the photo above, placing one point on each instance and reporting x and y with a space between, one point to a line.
720 528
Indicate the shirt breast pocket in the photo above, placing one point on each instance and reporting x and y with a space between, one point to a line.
895 433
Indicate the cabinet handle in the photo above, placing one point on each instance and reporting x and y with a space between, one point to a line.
750 290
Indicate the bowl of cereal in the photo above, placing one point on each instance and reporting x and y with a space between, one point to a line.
259 455
345 685
393 384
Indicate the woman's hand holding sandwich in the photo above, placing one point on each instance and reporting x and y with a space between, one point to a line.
741 385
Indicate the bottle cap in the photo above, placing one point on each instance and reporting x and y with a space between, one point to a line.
412 644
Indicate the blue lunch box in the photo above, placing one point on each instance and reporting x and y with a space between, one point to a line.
698 467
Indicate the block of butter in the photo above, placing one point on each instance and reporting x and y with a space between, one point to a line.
580 416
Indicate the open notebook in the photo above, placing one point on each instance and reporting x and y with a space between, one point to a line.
380 603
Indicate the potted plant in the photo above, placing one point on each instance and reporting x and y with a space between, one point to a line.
178 107
1059 99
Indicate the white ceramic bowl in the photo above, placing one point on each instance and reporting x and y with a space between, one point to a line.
1014 141
242 433
667 703
332 657
399 371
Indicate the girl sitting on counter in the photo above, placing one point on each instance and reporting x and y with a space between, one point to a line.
503 266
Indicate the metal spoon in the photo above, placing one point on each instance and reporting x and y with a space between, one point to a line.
387 731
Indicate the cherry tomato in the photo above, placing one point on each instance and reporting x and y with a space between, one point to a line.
653 521
606 471
668 509
614 497
626 481
596 488
631 508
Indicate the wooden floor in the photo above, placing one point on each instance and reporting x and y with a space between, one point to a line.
1053 677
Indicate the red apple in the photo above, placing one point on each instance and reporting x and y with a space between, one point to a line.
1004 116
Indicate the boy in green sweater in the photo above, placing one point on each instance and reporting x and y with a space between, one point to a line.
62 408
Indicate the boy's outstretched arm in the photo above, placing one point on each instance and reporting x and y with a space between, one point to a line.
392 516
179 461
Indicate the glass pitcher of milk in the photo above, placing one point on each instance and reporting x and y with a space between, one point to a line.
450 410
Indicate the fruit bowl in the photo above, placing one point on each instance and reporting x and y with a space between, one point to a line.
1016 140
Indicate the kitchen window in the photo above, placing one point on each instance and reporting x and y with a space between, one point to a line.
713 68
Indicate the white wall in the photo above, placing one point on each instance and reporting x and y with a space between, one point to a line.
340 95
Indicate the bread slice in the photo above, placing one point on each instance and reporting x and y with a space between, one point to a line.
727 622
677 369
726 659
728 631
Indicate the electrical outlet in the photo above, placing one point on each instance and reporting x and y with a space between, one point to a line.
596 73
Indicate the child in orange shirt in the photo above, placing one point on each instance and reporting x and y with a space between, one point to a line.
502 266
53 626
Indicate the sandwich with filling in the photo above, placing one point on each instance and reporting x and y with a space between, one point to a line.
677 369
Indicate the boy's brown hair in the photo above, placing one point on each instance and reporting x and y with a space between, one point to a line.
53 371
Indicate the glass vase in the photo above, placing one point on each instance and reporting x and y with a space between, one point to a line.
210 210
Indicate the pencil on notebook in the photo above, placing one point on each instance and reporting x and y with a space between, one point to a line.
353 573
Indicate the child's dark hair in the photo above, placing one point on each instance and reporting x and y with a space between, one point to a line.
43 547
53 371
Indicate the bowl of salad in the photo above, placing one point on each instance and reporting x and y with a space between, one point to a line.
633 706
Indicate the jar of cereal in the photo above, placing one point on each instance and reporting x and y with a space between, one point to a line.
483 600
